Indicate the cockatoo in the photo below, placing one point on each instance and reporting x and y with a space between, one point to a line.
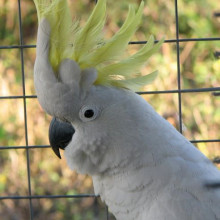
141 166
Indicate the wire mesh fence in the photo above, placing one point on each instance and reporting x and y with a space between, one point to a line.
25 98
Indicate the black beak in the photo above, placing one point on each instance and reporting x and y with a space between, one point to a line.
60 134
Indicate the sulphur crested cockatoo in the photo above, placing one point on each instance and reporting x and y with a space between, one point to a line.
141 166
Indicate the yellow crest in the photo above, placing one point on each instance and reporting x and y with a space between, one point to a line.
85 45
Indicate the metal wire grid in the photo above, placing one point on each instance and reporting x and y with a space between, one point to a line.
215 91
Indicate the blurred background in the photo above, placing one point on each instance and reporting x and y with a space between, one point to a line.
50 176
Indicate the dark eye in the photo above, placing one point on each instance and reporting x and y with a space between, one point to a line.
89 113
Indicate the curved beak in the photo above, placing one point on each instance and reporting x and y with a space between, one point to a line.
60 134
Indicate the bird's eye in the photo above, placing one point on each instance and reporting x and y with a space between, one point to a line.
88 113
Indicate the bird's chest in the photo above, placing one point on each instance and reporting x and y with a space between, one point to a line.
126 199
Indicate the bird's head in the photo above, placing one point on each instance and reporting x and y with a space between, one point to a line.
89 97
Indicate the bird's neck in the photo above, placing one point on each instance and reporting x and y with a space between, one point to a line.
123 194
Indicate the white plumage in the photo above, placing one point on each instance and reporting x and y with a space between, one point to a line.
141 166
